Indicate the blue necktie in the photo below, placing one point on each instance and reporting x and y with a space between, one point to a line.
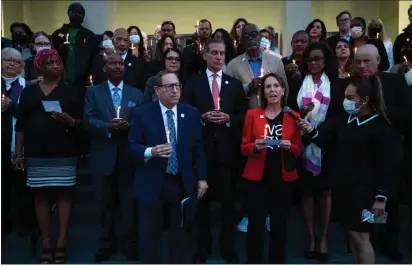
172 165
116 98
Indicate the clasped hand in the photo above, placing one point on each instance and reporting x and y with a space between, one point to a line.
304 126
118 125
216 117
5 103
62 117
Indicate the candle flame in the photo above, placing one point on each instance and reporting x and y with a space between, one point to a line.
293 61
348 75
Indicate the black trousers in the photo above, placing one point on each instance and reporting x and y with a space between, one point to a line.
221 189
263 197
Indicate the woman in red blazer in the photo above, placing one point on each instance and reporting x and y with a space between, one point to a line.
270 170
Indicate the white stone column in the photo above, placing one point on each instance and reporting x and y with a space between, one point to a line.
100 15
296 16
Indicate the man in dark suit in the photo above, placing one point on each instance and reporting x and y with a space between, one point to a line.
343 20
166 144
193 62
135 73
107 112
222 102
398 101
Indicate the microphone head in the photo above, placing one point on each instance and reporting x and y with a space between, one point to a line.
287 109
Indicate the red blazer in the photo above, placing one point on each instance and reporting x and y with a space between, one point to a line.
253 129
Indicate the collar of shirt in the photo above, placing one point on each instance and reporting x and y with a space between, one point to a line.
210 73
164 109
111 86
258 59
124 56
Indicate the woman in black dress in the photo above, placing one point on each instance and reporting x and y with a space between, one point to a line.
47 117
359 148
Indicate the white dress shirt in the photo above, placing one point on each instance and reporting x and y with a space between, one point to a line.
163 109
210 78
123 56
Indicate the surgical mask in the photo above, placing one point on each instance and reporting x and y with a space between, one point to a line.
39 48
349 107
408 77
107 43
356 31
134 38
264 44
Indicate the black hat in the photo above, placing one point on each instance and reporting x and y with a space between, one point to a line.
77 6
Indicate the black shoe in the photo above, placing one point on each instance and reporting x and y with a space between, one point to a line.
322 256
199 259
103 254
394 255
231 259
130 254
309 254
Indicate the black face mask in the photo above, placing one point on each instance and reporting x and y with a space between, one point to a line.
20 38
76 20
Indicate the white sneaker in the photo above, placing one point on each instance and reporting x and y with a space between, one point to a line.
267 223
242 226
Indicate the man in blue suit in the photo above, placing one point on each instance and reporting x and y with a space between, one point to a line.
166 144
108 110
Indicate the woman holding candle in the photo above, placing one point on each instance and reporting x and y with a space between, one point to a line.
345 57
236 34
47 117
376 30
319 100
406 67
136 41
270 171
12 84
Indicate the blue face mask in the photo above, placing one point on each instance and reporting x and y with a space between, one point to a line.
350 107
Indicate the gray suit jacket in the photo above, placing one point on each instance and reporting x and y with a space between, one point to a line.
98 112
239 68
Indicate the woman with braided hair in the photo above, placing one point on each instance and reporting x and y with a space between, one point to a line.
47 118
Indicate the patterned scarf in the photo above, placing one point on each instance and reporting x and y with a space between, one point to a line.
319 94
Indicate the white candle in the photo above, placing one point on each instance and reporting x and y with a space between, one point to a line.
67 38
118 112
151 42
133 46
261 72
377 35
406 60
258 100
91 78
168 136
234 42
3 96
356 49
265 133
294 62
218 103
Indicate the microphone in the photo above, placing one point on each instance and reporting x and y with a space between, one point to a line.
289 111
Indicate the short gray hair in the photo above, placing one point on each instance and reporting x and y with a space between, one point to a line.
212 41
15 53
159 76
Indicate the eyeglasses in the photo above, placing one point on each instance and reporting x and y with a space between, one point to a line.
9 61
315 59
250 35
42 44
170 87
173 59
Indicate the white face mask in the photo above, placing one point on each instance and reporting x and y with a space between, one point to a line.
408 77
356 31
39 48
264 44
134 38
107 43
350 107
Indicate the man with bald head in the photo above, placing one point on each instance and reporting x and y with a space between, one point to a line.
135 68
398 101
249 67
108 110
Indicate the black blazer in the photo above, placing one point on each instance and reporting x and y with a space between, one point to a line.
219 140
87 47
193 63
135 71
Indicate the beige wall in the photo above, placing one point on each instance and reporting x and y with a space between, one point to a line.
49 15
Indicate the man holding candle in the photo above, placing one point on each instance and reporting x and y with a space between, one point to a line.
107 112
165 141
135 73
221 101
249 67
